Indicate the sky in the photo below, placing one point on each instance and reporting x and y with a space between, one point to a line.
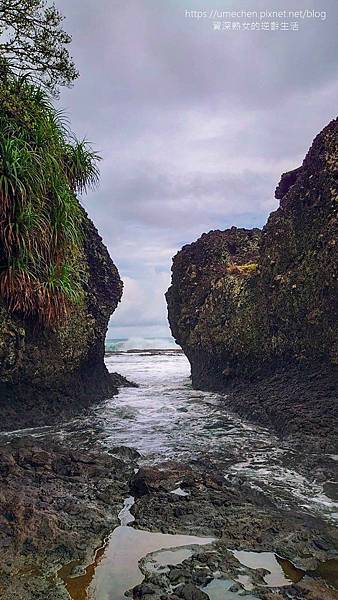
195 123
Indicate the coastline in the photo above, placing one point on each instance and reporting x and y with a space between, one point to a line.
47 404
59 504
296 402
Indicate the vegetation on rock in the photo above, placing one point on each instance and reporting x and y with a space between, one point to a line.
58 284
42 166
245 269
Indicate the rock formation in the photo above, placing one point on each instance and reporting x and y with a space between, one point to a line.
56 507
47 370
247 303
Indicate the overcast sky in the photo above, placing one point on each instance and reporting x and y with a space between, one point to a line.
194 124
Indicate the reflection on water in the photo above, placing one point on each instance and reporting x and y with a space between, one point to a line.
160 561
245 581
115 568
152 418
77 587
220 589
281 571
119 570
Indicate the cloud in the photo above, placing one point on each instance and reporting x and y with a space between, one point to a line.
142 311
195 127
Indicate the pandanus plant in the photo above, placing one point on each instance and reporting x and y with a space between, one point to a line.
42 167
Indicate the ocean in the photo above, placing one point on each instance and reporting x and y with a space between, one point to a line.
140 343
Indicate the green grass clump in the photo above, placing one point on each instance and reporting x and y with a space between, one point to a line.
244 269
42 167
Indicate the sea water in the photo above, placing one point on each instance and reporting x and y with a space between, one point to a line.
165 418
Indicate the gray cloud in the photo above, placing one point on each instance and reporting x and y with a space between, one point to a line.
195 126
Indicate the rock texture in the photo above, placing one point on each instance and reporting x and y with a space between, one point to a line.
238 516
212 304
56 506
247 303
44 371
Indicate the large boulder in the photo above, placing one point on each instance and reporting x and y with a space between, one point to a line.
45 371
247 302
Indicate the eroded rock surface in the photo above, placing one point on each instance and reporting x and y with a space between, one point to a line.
239 517
60 369
259 306
56 506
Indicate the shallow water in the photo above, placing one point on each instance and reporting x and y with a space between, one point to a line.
115 568
219 589
281 571
166 419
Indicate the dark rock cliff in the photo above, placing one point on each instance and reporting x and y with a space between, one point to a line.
212 304
245 304
48 371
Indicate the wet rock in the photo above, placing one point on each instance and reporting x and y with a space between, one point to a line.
201 577
236 587
146 480
314 589
56 506
51 373
151 479
120 381
125 452
238 518
142 590
177 574
321 544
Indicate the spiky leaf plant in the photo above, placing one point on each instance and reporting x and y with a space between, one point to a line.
42 167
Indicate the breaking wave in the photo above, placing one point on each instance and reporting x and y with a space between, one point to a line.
139 343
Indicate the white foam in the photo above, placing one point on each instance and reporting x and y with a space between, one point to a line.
140 343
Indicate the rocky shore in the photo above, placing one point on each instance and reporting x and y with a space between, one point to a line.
60 406
239 519
300 404
58 506
254 311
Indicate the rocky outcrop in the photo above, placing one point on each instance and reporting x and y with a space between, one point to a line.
247 303
48 370
212 304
